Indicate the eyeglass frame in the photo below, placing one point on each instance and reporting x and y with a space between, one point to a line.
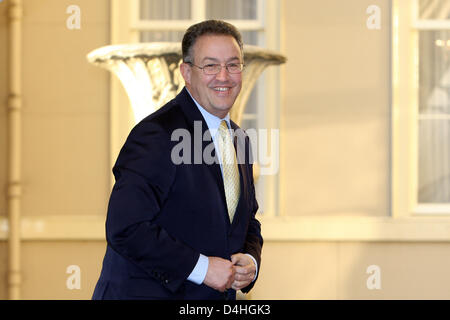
220 67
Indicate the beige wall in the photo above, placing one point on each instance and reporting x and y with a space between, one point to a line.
3 105
65 112
3 270
335 111
3 138
334 124
65 128
45 266
65 139
337 270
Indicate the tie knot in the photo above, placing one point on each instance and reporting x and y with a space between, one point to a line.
223 130
223 125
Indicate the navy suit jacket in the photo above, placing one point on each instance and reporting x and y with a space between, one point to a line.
162 215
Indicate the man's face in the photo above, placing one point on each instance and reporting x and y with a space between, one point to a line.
216 93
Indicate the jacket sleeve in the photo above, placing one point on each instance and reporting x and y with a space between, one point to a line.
144 174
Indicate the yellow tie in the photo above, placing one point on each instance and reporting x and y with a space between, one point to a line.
230 170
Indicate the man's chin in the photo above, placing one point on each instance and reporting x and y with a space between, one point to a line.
223 109
225 105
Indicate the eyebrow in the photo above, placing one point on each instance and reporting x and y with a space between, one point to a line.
217 60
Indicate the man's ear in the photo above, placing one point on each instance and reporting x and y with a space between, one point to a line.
185 70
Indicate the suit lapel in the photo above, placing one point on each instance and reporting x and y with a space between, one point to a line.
241 148
241 202
194 118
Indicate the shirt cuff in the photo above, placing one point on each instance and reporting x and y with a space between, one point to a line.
199 273
256 265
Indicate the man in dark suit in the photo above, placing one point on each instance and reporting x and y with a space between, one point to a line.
181 217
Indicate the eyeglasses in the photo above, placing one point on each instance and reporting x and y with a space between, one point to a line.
211 69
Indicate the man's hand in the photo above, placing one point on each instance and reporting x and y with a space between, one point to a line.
220 274
245 270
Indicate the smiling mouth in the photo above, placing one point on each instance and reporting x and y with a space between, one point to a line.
222 89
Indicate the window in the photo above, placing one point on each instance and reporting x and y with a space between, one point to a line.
432 22
421 109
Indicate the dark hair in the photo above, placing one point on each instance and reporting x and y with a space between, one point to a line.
217 27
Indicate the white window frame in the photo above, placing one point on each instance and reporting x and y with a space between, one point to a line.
198 9
125 28
405 111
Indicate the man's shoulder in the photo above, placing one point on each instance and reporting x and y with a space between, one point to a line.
167 118
150 139
165 115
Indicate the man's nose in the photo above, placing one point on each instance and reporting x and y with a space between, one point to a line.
223 73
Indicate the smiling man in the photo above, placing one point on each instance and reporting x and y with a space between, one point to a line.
185 230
